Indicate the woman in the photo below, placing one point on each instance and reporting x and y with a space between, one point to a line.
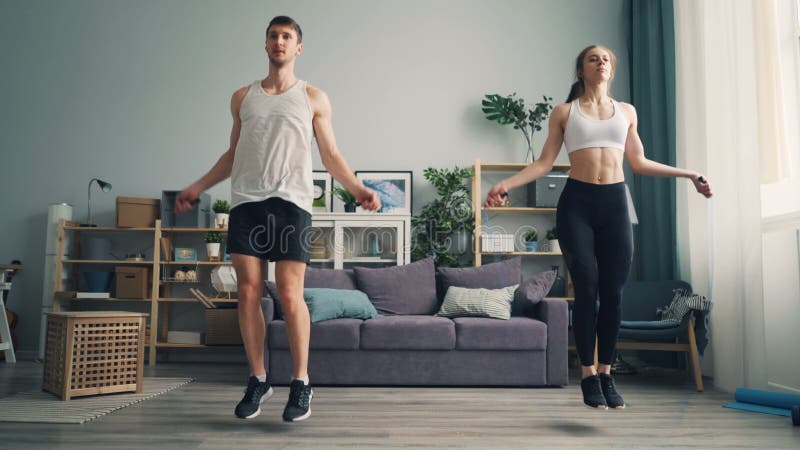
594 228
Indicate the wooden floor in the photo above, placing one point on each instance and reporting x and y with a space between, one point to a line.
664 412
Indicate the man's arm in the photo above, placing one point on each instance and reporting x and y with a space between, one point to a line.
222 169
332 159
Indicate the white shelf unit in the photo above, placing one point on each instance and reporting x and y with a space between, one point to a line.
346 239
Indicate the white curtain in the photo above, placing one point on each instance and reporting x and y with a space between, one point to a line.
718 133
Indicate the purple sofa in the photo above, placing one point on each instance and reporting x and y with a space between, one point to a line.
409 345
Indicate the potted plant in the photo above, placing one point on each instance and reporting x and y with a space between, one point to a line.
512 110
443 228
346 197
531 238
552 240
213 241
222 209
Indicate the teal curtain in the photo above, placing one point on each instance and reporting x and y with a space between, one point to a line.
652 65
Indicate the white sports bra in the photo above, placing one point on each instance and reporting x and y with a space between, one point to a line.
584 132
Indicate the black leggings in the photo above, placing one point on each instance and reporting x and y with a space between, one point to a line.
595 234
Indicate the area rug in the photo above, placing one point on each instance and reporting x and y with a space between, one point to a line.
44 407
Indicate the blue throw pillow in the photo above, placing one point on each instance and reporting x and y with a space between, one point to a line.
326 304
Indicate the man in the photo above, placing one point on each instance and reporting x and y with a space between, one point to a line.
269 162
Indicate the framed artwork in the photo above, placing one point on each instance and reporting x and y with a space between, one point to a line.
323 192
183 254
393 187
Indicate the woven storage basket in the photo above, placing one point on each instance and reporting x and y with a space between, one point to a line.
97 352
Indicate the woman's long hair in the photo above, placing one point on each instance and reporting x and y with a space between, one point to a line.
578 88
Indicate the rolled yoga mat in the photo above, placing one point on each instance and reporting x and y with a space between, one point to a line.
764 402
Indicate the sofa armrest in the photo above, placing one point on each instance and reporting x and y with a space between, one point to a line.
555 314
268 308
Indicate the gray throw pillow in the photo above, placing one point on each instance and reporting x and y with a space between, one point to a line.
490 276
326 304
317 278
464 302
409 289
532 291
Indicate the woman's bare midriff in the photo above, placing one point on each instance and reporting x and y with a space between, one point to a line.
597 165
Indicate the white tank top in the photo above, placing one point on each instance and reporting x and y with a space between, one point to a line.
273 154
584 132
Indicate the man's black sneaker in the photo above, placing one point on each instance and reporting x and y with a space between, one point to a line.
255 394
613 399
299 405
593 393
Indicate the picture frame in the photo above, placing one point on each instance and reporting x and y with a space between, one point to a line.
183 254
323 192
394 187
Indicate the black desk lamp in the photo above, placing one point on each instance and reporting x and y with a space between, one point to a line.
105 187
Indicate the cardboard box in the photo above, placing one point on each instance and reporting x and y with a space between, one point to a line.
222 327
133 212
133 282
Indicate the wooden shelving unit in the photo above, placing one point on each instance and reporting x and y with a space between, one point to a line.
477 206
160 298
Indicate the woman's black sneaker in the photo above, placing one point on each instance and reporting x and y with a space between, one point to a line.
593 393
255 394
299 405
613 399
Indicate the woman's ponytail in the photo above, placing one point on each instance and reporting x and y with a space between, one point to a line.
575 91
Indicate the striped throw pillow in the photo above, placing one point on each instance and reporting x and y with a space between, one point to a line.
464 302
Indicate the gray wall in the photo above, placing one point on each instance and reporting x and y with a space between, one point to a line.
137 92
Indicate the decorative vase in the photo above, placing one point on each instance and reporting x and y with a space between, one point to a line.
221 220
555 247
350 207
212 250
532 246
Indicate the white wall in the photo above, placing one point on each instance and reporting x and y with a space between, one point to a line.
137 92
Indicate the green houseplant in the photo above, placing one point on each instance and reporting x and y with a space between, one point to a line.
552 239
512 110
222 210
213 240
531 238
346 197
441 229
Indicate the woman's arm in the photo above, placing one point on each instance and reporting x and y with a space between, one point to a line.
541 166
634 151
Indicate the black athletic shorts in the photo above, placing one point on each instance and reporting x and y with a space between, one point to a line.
272 229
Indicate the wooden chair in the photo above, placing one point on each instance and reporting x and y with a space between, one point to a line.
641 330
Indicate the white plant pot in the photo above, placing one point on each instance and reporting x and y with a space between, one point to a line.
221 220
555 247
212 249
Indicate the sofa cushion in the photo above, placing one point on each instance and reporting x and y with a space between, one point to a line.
335 334
518 333
531 291
326 304
409 289
464 302
316 278
490 276
408 333
330 278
